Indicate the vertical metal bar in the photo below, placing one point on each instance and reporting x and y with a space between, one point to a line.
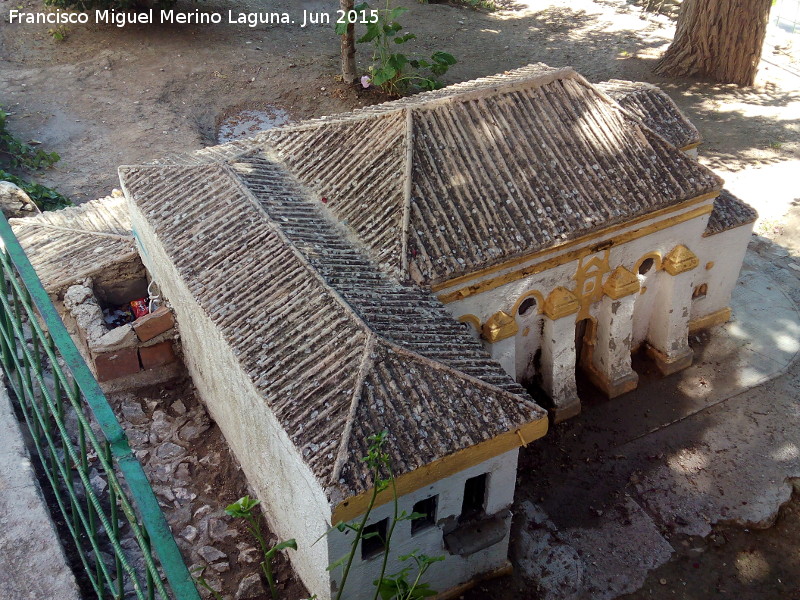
22 296
112 498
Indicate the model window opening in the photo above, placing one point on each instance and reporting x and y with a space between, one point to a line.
425 507
527 306
700 291
373 540
646 265
474 497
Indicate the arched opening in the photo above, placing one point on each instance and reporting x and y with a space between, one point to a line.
527 307
646 266
700 291
585 337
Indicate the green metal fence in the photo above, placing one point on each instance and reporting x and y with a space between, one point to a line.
119 532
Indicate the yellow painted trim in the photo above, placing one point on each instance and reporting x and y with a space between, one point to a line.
709 265
680 260
656 256
577 241
442 468
472 320
690 146
499 326
561 303
539 302
462 588
621 283
500 280
716 318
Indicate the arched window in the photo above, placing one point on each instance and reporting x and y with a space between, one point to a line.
527 307
700 291
646 265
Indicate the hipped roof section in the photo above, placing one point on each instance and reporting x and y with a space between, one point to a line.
655 109
445 183
337 349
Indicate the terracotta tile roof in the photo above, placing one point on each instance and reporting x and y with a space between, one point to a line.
337 349
65 246
654 108
729 212
444 183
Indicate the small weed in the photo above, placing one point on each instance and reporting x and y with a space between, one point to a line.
243 509
197 575
59 33
396 73
399 586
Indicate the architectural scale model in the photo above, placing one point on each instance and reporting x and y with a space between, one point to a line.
421 267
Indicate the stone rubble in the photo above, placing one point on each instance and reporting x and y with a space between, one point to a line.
168 436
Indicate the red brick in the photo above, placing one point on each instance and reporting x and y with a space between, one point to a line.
156 323
157 355
111 365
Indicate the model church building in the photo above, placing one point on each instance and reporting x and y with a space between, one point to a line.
425 267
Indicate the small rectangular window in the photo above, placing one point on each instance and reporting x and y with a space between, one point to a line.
474 497
373 540
426 507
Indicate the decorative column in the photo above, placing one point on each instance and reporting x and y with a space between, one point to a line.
668 335
610 368
499 331
558 353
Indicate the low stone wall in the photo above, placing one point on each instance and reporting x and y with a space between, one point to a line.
146 344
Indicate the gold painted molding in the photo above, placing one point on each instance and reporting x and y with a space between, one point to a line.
490 284
529 294
690 146
472 320
656 256
621 283
680 260
561 303
577 241
718 317
442 468
499 326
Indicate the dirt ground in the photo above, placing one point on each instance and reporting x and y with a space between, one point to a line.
106 96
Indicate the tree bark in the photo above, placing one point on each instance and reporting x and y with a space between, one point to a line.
719 39
348 46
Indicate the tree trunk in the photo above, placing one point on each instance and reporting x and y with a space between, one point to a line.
720 39
348 46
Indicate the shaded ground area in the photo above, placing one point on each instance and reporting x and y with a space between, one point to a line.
195 476
733 562
107 96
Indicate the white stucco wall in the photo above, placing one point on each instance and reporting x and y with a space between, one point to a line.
293 502
485 304
454 569
726 250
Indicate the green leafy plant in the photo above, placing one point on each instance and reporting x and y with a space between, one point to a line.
197 575
399 586
16 154
397 73
243 508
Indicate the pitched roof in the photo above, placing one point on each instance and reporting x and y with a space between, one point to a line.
337 349
729 212
653 107
65 246
445 183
